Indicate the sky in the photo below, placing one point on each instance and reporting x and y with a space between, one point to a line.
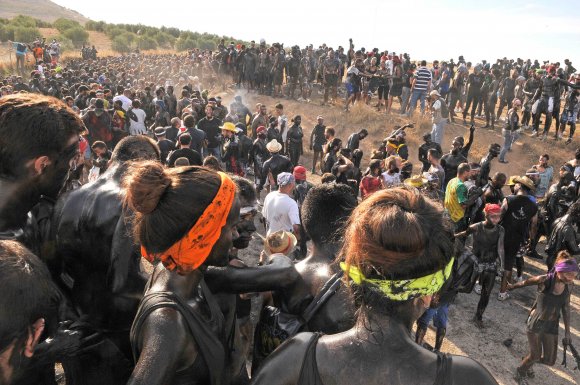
426 29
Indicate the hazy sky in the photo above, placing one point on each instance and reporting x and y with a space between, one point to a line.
427 29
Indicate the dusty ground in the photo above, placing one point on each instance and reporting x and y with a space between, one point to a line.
502 320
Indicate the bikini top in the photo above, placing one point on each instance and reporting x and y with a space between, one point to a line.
309 371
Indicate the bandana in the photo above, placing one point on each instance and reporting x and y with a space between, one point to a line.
492 208
567 266
404 289
191 251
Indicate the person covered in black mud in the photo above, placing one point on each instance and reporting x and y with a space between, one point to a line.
485 164
519 220
294 140
394 269
180 335
39 139
99 267
310 289
563 235
458 154
488 237
552 299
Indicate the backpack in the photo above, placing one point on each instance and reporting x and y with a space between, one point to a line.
444 109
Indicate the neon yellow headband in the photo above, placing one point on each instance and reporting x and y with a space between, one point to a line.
404 289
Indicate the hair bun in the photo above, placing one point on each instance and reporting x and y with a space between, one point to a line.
146 186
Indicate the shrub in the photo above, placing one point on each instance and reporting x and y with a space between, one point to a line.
120 44
63 24
172 31
205 43
146 42
185 44
25 34
164 39
98 26
6 33
23 21
77 35
66 44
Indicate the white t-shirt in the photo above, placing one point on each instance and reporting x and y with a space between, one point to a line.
391 180
283 121
127 103
389 64
436 111
353 70
138 127
280 211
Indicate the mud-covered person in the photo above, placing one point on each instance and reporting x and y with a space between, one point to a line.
180 334
381 258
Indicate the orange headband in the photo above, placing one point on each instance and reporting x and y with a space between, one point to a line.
192 250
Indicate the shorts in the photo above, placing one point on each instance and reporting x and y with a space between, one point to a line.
331 80
352 88
542 326
569 117
439 315
510 252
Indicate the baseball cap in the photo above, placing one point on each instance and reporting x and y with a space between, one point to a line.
299 173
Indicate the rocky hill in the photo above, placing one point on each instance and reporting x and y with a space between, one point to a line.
40 9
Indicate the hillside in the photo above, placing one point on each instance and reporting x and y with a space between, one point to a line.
44 10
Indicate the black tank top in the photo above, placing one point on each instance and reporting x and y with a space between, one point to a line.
545 314
209 366
309 373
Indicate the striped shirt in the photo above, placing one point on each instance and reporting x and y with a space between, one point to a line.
422 78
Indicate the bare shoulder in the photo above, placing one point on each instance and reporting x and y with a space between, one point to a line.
467 370
283 367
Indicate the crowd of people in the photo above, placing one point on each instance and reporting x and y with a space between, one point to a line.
111 164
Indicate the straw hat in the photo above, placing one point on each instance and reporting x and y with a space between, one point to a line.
280 242
229 126
416 181
512 180
524 180
274 146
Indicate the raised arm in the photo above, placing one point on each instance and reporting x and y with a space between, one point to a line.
470 139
